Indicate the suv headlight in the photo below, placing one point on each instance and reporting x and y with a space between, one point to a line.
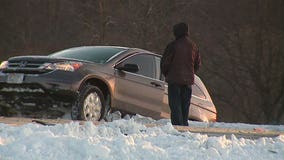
4 65
64 66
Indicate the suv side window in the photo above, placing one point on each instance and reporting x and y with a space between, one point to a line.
159 74
145 63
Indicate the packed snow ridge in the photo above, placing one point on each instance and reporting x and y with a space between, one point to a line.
130 139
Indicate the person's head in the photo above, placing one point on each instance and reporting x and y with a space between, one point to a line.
180 30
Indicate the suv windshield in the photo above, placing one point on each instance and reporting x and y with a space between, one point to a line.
94 54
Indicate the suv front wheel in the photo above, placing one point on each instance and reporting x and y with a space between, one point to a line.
90 105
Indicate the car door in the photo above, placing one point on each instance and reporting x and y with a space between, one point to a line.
165 109
140 92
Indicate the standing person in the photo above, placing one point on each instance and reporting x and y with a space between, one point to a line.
179 63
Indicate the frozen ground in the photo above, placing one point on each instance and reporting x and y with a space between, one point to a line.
129 139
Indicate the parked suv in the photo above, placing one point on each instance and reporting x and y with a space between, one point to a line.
91 81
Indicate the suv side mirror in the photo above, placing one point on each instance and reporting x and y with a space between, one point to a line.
128 67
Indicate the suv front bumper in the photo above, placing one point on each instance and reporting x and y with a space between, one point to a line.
55 86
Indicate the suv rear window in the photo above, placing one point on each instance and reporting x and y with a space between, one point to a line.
94 54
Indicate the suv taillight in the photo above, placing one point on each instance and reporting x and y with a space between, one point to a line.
4 65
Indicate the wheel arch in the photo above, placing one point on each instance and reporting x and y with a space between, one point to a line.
101 84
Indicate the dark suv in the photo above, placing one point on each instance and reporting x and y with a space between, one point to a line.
91 81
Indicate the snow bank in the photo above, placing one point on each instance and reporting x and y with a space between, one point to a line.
129 140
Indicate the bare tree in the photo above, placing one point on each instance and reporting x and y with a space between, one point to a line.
253 65
241 42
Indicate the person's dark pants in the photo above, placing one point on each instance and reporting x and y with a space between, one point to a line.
179 100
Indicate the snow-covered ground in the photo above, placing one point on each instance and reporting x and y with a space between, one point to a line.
130 139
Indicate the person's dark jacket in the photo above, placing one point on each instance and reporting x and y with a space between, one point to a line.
180 61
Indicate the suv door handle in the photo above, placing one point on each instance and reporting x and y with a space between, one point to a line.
156 84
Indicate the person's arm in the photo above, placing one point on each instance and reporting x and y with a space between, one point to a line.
167 59
197 60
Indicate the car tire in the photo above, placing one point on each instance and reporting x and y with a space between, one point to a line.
90 105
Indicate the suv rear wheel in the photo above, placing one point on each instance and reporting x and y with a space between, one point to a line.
90 105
